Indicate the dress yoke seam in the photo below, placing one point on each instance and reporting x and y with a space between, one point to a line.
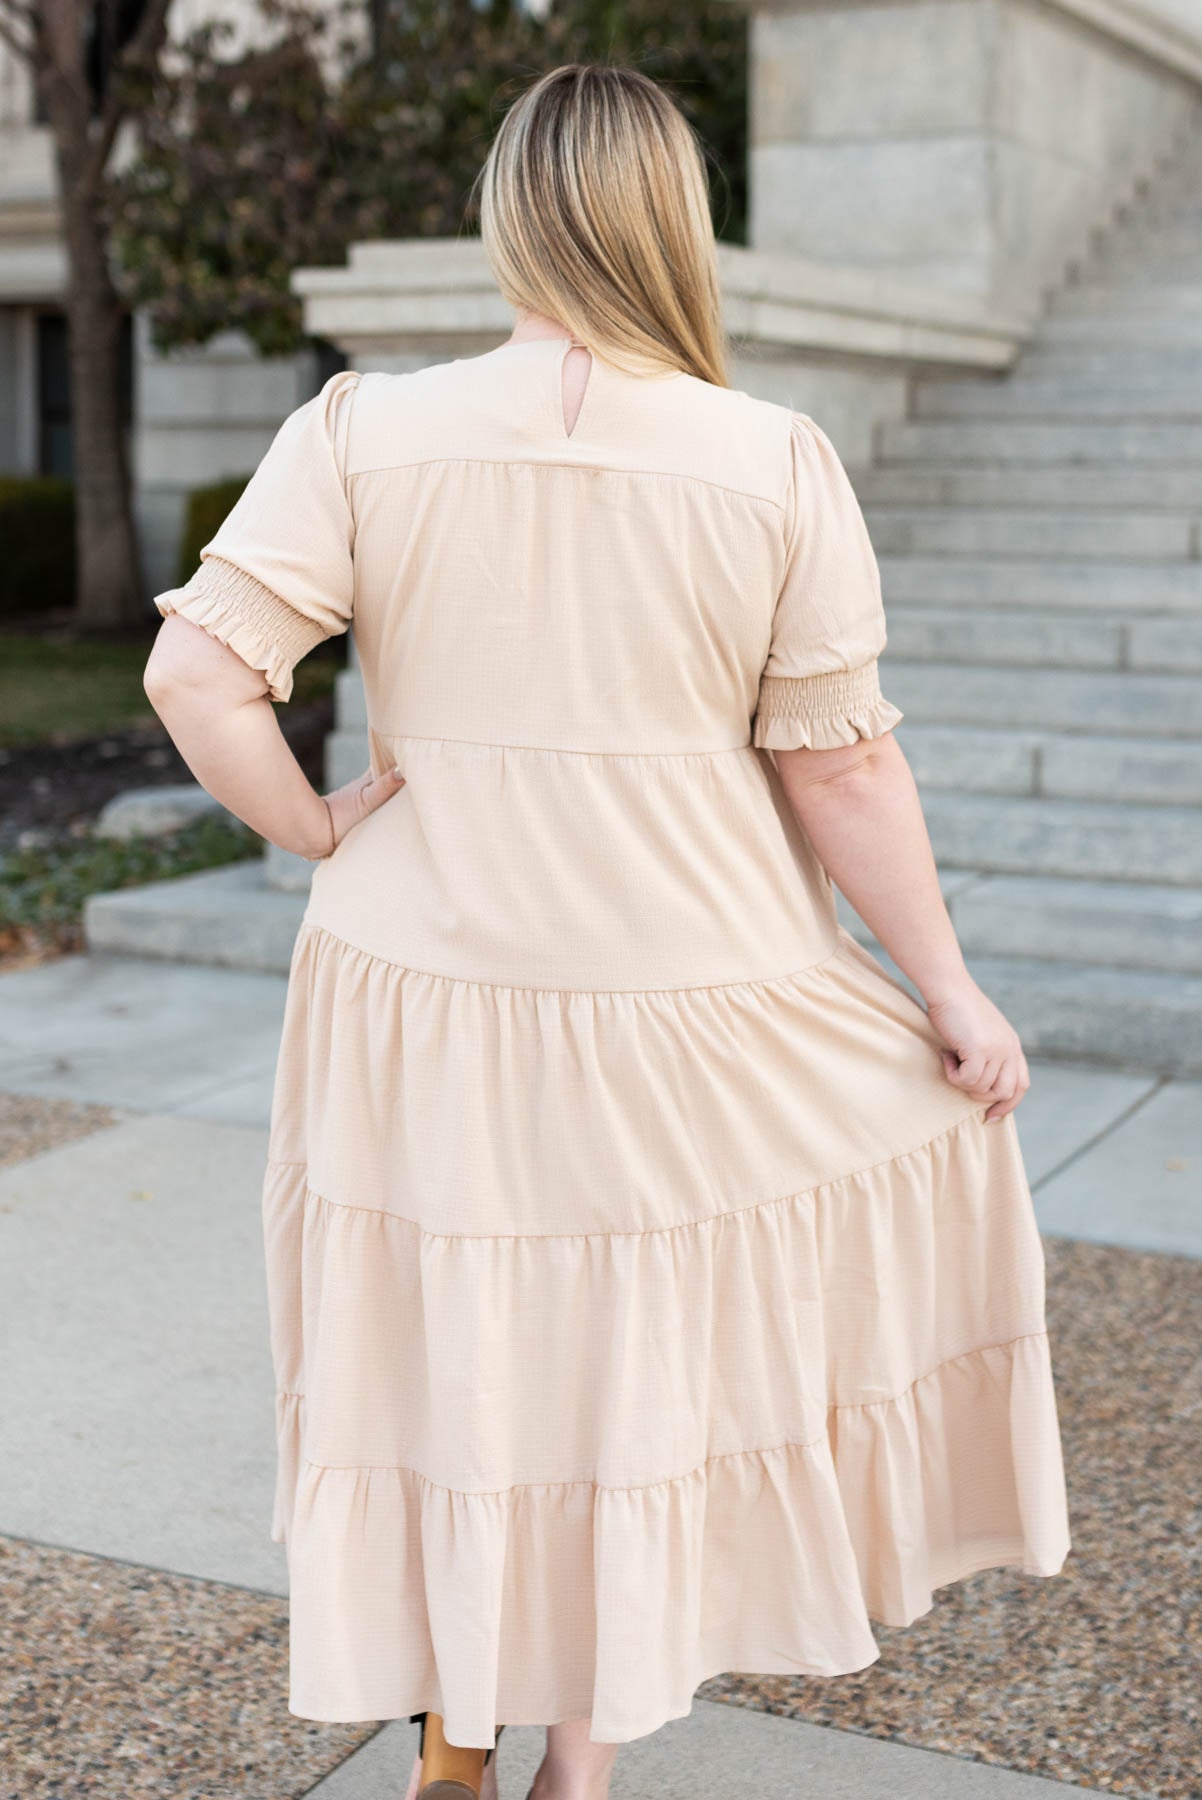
588 468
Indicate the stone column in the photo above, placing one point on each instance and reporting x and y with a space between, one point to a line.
973 145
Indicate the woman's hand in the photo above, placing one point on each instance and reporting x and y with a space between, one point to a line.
985 1057
354 801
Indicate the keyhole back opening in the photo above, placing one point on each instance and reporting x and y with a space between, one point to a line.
576 375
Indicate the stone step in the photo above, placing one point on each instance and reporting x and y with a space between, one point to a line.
1172 646
1007 638
936 634
1094 840
1095 490
1058 700
1180 330
1172 190
1152 243
1140 1019
1110 363
1171 257
1049 919
1148 299
229 917
1131 588
1123 925
1114 445
963 759
1172 195
1062 396
1025 531
1053 765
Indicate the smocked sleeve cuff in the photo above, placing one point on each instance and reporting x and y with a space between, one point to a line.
822 712
260 627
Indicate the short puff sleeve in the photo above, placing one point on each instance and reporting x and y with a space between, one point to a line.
820 687
277 576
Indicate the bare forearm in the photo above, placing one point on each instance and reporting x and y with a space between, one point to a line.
233 744
865 822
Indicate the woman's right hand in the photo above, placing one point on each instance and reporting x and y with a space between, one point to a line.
356 799
984 1057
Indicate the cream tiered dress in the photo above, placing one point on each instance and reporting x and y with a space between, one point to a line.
644 1301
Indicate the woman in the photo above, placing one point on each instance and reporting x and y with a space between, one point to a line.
655 1288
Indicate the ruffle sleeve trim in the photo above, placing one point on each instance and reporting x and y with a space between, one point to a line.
823 711
256 623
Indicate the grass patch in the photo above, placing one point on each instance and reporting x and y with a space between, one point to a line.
43 889
55 690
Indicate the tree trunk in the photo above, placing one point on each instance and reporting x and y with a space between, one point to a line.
108 590
109 586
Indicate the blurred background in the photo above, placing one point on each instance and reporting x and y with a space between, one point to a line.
966 237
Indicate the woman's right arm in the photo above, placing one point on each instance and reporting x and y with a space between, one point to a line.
859 807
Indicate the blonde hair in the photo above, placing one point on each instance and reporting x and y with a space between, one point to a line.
594 210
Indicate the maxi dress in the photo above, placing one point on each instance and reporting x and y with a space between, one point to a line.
644 1302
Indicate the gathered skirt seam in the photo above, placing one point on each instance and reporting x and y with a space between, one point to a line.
701 987
735 1212
419 737
698 1468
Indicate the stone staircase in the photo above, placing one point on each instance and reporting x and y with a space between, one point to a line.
1040 542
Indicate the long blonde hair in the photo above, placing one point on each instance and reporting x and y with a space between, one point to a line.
594 210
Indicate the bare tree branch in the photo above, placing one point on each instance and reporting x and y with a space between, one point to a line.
143 46
8 34
151 27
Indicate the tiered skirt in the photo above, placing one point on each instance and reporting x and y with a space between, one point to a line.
623 1340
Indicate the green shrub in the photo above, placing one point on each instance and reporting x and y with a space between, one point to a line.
207 507
37 529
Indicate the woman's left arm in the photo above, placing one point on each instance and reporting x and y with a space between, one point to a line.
822 715
859 807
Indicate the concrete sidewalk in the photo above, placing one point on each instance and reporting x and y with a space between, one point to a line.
138 1421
